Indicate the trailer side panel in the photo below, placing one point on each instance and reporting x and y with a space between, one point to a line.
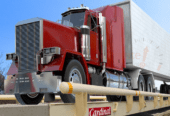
147 45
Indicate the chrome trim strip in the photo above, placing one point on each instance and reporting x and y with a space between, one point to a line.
41 34
19 65
29 21
27 46
57 51
104 43
34 43
15 40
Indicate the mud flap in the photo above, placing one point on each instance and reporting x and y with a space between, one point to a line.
49 97
96 79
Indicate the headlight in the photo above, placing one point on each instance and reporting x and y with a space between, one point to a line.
9 56
52 50
12 56
47 51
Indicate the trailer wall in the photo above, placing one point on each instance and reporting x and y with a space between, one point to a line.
147 45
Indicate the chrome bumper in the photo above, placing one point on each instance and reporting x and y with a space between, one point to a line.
32 83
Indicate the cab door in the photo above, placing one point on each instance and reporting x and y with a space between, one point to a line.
94 41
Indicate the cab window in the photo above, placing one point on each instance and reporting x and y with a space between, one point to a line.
92 23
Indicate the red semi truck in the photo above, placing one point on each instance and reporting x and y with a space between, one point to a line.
94 47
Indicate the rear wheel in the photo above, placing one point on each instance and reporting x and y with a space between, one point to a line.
141 86
112 98
149 87
74 73
164 89
28 99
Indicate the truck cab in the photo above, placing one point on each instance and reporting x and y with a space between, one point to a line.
87 47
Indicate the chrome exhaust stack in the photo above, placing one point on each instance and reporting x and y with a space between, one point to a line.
85 41
102 22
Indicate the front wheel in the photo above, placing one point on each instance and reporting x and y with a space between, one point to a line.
74 73
28 99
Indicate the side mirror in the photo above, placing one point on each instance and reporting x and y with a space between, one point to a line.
12 56
58 21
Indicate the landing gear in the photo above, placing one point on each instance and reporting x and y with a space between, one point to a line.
28 99
74 73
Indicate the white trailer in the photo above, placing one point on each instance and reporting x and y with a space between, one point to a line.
146 45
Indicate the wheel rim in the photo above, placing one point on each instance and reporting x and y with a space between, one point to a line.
33 95
75 77
149 88
141 88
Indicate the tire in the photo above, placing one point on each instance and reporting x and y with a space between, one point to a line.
111 98
141 86
75 69
27 99
164 89
149 87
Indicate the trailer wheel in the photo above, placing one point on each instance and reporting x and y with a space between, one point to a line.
141 86
74 73
164 89
149 87
28 99
111 98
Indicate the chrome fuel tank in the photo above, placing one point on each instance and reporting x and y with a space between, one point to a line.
116 80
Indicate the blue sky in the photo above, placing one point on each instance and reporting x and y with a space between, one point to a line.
13 11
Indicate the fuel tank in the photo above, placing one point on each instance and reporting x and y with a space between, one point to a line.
116 80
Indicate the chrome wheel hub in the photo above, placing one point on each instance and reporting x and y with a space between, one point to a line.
75 77
33 95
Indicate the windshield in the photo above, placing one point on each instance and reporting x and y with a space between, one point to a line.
73 19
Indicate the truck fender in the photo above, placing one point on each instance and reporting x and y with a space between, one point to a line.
150 75
70 55
134 75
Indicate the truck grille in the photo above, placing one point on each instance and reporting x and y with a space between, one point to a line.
27 45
